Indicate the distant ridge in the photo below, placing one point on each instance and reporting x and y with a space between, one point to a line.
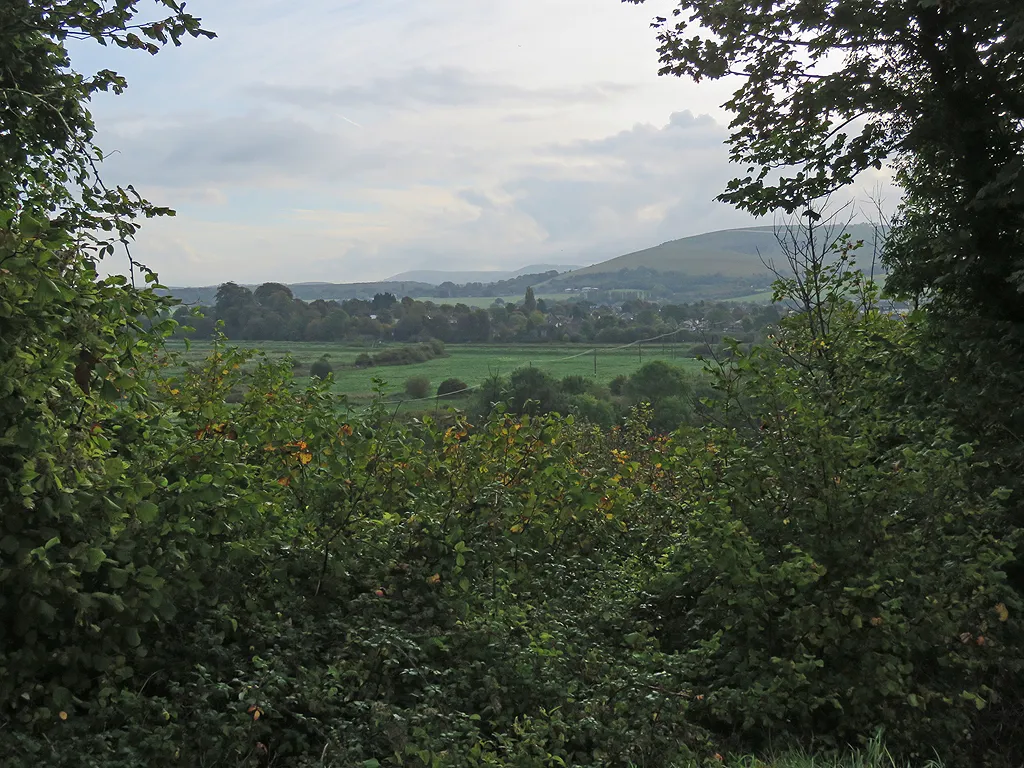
718 264
461 277
729 252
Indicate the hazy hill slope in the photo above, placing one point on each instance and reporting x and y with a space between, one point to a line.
729 252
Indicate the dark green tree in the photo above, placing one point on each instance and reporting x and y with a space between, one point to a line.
76 411
830 89
529 301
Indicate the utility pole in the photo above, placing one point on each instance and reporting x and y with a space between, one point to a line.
595 361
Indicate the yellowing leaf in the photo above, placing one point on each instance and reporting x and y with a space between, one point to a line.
305 457
63 715
1001 612
517 528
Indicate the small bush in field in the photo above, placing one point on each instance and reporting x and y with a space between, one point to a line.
321 369
448 386
417 387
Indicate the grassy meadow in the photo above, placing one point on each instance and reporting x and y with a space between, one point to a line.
472 363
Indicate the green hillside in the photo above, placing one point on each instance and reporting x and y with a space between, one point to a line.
729 252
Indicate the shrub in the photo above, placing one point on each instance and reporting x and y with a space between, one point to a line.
321 369
363 360
532 390
590 409
575 384
417 387
702 350
448 386
410 355
656 381
617 386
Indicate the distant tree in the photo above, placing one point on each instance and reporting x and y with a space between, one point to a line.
829 89
532 390
657 380
235 306
383 302
271 294
529 301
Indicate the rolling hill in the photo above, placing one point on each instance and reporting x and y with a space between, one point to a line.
714 265
729 252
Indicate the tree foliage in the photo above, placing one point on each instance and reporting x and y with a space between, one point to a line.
831 89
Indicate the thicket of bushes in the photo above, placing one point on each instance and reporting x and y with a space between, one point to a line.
674 395
405 355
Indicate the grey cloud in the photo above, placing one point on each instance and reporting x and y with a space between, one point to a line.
258 151
476 198
441 87
679 168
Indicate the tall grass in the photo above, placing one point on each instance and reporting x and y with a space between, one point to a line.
873 755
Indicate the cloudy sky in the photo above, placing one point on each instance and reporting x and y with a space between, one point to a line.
347 140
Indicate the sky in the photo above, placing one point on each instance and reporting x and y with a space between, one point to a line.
349 140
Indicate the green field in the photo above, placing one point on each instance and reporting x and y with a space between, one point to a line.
765 297
472 363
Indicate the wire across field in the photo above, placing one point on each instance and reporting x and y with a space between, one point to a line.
471 363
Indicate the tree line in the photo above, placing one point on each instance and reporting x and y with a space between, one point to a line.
271 312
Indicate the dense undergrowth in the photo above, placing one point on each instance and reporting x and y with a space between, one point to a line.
272 583
277 580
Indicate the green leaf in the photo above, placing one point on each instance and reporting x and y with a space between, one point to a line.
95 556
109 392
147 511
117 578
